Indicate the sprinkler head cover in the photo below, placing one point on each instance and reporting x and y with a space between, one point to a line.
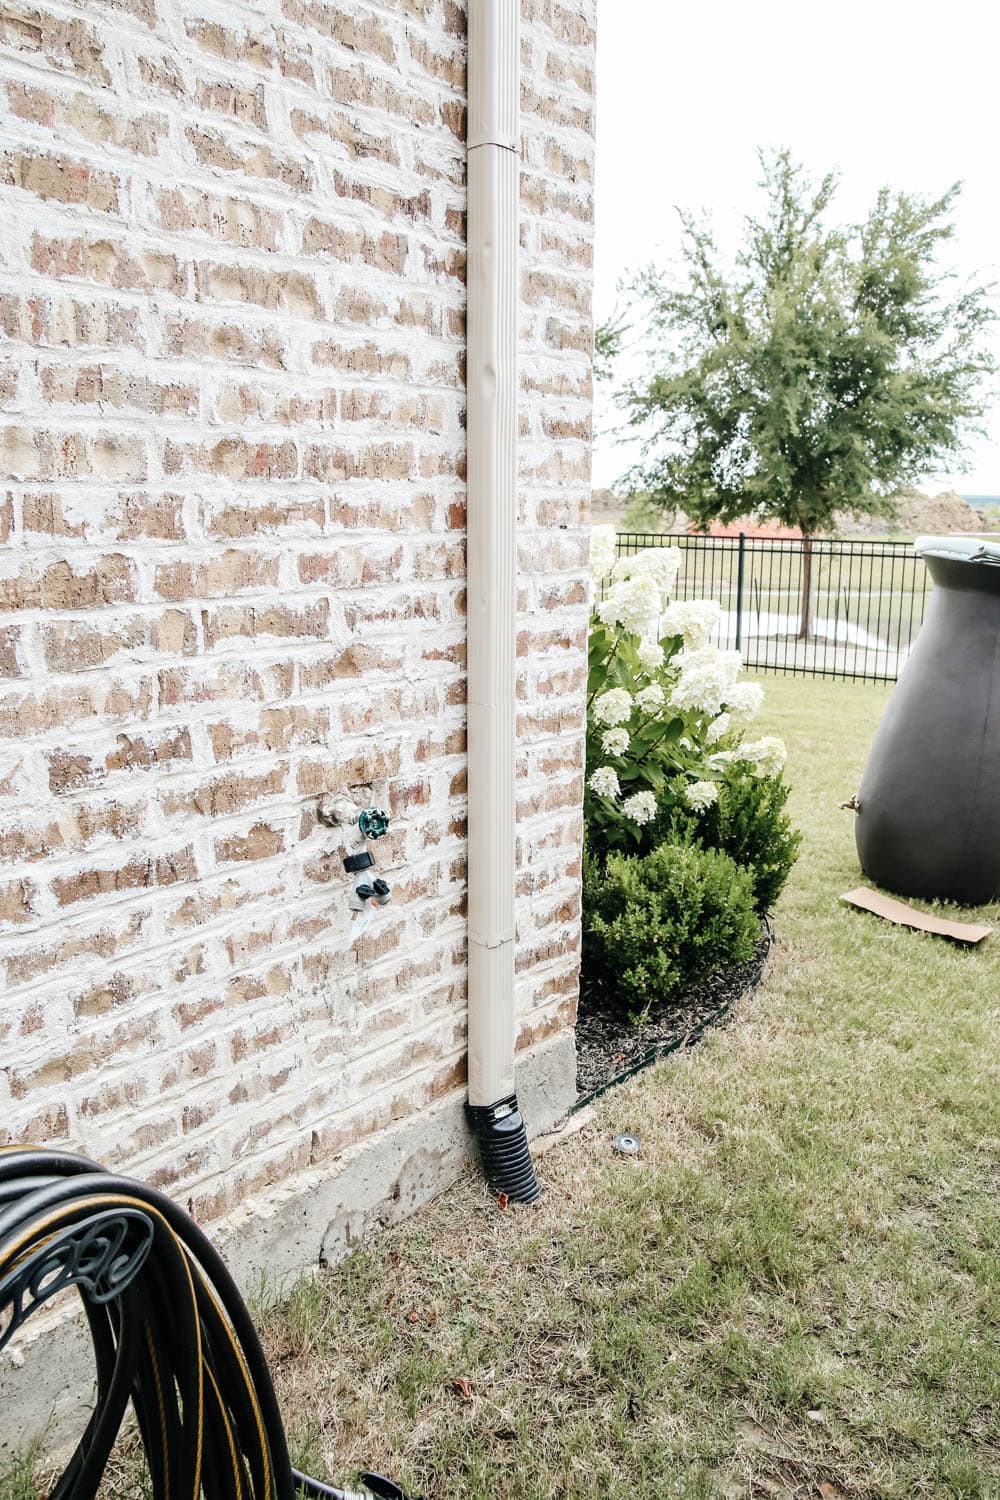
627 1145
373 822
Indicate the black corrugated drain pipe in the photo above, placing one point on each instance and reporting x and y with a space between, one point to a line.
502 1139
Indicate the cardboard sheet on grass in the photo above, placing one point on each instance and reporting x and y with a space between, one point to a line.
907 916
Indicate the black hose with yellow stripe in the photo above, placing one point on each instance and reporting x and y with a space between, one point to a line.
169 1329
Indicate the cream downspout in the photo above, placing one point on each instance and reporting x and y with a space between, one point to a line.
492 388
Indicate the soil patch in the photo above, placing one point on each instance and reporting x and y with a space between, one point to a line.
609 1046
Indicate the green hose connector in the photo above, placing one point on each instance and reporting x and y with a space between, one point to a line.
373 822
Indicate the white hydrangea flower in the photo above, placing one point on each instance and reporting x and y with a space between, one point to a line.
615 741
602 551
744 703
650 655
701 794
695 619
604 781
662 564
640 807
651 698
612 707
717 728
706 681
632 603
767 755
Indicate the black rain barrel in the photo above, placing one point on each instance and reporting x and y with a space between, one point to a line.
928 821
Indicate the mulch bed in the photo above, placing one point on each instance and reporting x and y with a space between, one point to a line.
609 1046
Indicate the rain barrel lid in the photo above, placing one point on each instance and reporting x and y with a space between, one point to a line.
960 548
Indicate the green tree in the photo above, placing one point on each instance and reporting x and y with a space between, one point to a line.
830 366
608 337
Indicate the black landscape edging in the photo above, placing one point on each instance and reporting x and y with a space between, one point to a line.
663 1049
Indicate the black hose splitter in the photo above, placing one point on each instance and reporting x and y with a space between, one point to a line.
169 1330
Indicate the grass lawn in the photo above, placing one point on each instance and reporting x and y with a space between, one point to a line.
794 1291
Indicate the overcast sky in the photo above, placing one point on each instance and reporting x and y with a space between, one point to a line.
886 92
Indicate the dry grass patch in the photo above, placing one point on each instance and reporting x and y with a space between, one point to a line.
794 1291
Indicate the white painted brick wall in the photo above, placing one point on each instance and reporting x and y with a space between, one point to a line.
232 569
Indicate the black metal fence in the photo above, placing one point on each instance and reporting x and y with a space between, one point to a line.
833 609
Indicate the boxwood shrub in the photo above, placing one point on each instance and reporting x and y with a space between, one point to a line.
655 925
749 823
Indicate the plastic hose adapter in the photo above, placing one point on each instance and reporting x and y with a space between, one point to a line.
503 1146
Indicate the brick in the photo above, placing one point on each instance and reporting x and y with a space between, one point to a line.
250 159
232 46
209 682
11 652
385 201
68 323
227 794
108 388
136 874
360 659
60 179
75 829
364 34
16 897
129 517
175 633
74 646
382 252
49 1124
82 116
27 453
231 572
235 221
139 752
361 144
104 943
56 707
239 621
262 842
237 102
285 291
333 463
111 580
233 458
239 401
110 263
363 359
69 45
443 67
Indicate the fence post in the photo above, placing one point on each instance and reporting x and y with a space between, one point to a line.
739 590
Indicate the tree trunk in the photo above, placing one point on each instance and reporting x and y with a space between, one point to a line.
805 613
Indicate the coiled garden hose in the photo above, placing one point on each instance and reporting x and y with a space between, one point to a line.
169 1330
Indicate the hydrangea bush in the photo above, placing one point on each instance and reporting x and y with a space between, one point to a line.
666 712
687 840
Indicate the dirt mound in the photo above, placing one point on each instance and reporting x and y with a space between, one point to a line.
941 513
918 515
